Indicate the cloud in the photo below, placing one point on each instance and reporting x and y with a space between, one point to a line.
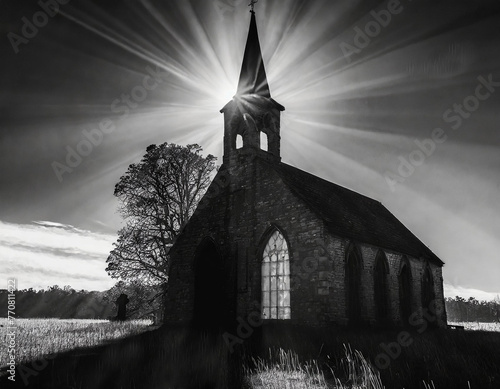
480 295
45 253
57 225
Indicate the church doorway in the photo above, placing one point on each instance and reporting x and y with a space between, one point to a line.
211 308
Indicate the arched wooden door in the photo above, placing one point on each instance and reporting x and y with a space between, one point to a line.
211 308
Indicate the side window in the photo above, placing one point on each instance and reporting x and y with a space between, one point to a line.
239 142
353 284
276 278
381 288
264 142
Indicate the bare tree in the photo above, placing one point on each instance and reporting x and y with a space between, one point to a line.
157 197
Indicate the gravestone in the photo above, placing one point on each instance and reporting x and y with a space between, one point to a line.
121 303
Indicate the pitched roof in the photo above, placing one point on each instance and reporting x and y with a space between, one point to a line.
351 215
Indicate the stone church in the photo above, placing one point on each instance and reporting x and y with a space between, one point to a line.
270 238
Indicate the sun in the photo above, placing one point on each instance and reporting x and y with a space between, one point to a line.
224 93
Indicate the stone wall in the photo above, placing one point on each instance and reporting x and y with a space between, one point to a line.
244 203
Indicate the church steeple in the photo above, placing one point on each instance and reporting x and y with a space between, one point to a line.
253 78
252 115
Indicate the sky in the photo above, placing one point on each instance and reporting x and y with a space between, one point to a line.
396 100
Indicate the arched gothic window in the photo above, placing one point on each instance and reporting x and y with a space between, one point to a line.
353 269
381 291
405 292
428 294
276 278
239 142
264 142
427 288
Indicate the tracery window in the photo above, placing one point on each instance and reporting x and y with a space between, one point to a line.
276 278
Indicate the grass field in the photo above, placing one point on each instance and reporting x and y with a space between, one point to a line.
272 357
37 337
478 326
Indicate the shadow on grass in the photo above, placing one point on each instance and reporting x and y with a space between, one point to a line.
181 358
163 358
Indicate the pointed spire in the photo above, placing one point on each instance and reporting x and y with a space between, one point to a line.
253 78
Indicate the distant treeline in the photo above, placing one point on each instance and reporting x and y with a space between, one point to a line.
145 302
68 303
460 309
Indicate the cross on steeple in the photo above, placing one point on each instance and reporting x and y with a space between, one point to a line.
253 78
252 5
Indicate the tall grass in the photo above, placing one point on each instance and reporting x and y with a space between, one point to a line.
361 373
443 358
38 337
281 357
284 370
478 326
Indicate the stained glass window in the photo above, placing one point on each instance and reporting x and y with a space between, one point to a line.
276 279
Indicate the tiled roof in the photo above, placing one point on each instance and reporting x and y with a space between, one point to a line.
351 215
